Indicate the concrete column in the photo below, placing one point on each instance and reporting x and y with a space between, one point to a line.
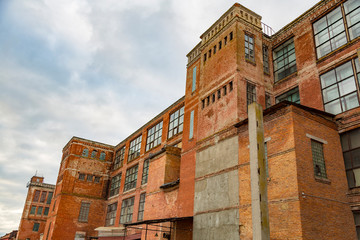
260 214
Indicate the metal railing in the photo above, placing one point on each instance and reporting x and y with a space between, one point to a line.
267 29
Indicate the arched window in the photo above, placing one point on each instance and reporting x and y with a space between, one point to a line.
85 152
102 155
93 154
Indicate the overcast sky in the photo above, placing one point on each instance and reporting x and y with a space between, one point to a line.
93 69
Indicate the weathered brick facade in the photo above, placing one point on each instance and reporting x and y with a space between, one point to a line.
186 173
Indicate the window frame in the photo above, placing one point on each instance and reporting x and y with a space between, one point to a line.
111 214
249 44
36 227
250 93
350 152
145 173
287 66
317 151
141 208
115 183
119 158
154 136
84 212
176 116
340 98
134 148
127 210
131 178
288 93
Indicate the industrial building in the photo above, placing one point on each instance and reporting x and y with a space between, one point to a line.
186 173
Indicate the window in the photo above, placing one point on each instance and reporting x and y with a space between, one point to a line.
224 88
225 40
93 154
191 131
97 179
154 136
266 59
213 98
219 93
220 45
115 185
134 150
205 57
145 173
284 60
318 159
130 178
111 214
81 176
36 227
32 210
249 48
329 31
292 96
43 197
231 36
352 16
85 152
119 158
210 53
36 196
46 211
357 223
250 93
176 122
339 88
214 49
194 80
48 201
89 178
39 211
127 210
141 207
231 87
267 100
102 156
350 142
84 212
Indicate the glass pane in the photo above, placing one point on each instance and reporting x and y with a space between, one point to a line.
350 178
321 37
349 102
351 5
353 17
355 138
347 86
328 79
330 93
357 65
355 155
336 28
354 31
333 107
357 176
338 41
320 25
323 49
345 142
347 160
344 71
334 16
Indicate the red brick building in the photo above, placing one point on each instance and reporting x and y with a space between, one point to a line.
186 173
36 209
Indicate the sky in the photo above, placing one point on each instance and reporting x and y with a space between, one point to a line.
93 69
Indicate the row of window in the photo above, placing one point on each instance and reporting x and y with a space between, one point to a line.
89 178
126 213
213 50
39 211
217 94
130 179
153 139
94 153
41 195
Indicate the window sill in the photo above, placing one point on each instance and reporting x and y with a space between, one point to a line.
322 180
129 191
250 61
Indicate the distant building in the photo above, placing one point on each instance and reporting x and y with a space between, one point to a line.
9 236
185 174
36 209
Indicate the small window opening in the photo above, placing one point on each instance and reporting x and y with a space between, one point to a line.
230 86
231 36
